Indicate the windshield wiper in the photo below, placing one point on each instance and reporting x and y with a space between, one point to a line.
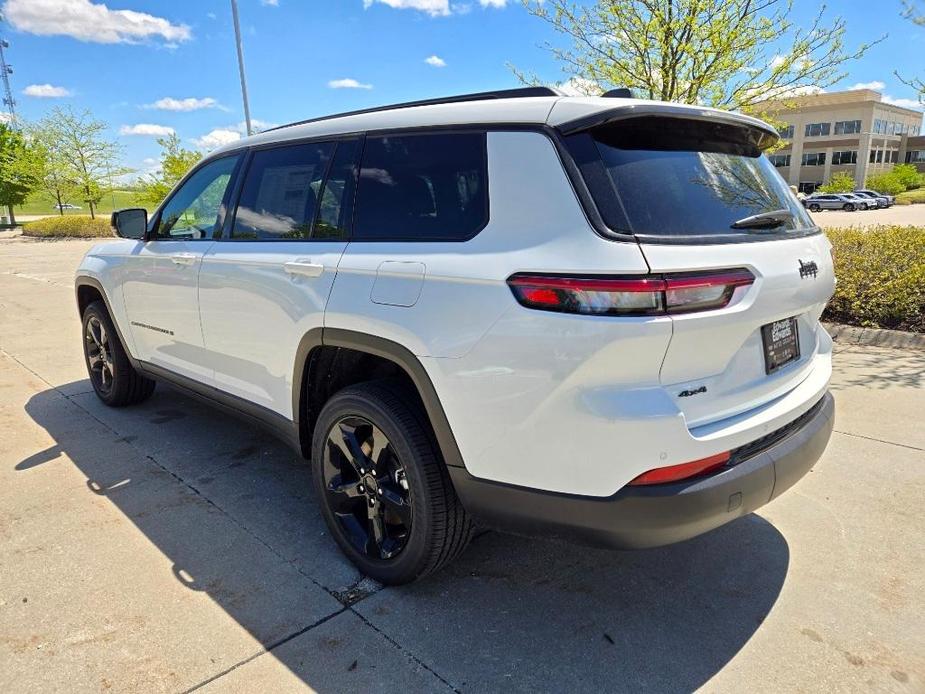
765 220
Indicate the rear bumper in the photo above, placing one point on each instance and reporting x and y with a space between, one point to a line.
638 517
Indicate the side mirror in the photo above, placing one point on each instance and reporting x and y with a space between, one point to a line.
131 223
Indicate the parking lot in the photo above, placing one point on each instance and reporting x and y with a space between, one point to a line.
898 214
169 547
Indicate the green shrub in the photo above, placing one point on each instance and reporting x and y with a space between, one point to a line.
71 226
885 183
841 182
881 277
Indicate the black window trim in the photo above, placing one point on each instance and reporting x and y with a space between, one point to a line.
412 132
577 182
335 140
227 198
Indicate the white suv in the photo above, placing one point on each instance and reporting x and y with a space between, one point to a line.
592 318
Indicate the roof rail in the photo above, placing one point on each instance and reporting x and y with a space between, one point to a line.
479 96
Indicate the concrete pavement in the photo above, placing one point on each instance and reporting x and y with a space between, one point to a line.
168 547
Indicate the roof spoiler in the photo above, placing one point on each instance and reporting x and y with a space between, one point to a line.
763 134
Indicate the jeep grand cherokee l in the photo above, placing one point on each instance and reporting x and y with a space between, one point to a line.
588 318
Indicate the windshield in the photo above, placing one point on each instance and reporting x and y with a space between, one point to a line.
667 177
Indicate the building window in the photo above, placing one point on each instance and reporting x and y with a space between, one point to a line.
846 157
814 159
878 125
808 187
847 127
916 156
786 133
890 128
893 156
780 160
817 129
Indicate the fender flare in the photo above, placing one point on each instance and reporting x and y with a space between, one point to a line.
87 281
387 349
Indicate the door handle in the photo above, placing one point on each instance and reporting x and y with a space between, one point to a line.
184 258
304 267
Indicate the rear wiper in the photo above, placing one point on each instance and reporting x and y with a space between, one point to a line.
765 220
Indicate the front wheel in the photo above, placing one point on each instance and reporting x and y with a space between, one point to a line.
848 207
384 492
815 207
114 379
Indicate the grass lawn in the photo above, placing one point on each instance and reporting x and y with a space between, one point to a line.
44 204
911 197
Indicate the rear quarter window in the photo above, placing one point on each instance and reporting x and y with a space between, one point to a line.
422 187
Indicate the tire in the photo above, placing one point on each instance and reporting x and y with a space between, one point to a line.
415 537
114 379
848 207
863 207
815 207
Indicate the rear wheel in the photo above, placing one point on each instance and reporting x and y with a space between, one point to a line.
848 207
815 207
384 491
114 379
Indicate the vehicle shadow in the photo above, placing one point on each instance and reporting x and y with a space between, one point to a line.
512 613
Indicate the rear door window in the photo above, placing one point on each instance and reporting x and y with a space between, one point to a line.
281 190
423 187
660 177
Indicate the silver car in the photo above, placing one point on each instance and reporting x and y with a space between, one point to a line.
882 199
831 201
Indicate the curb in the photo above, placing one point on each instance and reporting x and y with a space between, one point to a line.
875 337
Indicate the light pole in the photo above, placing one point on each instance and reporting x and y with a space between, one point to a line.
237 36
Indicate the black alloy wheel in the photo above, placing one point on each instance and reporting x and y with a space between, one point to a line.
99 355
384 490
115 381
367 488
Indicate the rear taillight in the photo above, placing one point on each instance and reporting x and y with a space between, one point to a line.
634 296
676 473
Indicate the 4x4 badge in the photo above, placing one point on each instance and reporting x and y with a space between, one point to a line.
809 269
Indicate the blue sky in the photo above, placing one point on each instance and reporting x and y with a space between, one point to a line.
145 66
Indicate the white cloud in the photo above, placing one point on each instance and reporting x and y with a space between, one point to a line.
168 103
905 103
435 8
5 117
492 3
579 86
270 3
230 133
777 61
876 85
149 129
92 22
46 91
217 138
435 61
348 84
211 15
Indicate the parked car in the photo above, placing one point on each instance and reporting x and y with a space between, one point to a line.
67 206
882 199
588 318
831 201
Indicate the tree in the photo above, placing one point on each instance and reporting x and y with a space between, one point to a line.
914 10
175 162
55 181
726 53
841 182
21 166
87 158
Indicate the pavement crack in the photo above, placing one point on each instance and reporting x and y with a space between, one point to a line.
408 654
873 438
268 649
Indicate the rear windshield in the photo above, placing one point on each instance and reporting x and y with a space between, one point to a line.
675 178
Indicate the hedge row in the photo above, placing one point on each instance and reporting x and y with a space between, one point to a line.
881 277
69 226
